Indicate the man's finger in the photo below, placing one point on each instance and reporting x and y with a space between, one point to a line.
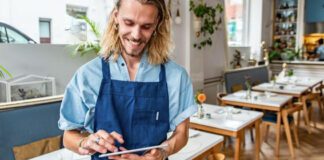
154 152
117 136
122 149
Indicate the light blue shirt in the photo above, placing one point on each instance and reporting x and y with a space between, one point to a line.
80 97
320 51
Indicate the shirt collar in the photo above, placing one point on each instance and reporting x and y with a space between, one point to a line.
143 61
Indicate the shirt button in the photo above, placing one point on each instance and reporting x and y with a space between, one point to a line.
123 64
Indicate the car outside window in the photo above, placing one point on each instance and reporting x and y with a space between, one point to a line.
3 35
15 37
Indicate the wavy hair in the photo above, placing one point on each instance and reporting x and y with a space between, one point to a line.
158 46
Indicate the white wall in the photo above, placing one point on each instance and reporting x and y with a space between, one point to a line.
24 15
210 61
214 56
200 64
267 20
45 60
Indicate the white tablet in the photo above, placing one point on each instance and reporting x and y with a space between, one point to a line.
132 150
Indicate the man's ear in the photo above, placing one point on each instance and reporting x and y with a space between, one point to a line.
115 13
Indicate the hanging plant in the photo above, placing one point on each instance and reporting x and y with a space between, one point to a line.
205 21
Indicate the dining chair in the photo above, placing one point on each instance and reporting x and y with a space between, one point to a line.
219 98
307 101
216 156
236 87
270 119
319 92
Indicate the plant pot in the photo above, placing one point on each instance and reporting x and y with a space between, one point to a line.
196 24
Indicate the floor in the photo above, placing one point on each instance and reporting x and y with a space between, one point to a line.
311 145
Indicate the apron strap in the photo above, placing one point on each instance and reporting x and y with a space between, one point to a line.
105 70
162 74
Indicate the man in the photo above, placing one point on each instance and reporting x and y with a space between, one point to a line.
320 49
131 95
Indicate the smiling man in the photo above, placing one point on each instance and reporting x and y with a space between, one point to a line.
131 95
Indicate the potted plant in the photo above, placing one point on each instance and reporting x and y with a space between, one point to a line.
88 47
290 54
237 58
205 21
3 72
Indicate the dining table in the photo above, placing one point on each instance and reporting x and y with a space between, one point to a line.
229 121
297 91
200 144
261 101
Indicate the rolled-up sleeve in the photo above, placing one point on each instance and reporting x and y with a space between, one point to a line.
186 103
78 105
73 110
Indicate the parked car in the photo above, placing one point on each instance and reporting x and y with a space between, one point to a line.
9 34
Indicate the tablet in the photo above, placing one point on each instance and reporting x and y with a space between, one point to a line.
132 150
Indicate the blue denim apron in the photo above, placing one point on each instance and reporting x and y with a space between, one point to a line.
139 111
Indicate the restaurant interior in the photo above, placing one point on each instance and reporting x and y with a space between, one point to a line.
256 68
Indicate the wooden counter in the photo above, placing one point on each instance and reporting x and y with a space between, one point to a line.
31 102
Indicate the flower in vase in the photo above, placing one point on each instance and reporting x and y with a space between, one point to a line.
200 97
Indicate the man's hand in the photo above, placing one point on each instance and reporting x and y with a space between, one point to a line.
101 142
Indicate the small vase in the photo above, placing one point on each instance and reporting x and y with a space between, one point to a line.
200 111
248 93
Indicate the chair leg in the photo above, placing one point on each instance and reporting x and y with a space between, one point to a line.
298 119
225 142
266 132
322 108
310 115
243 139
294 129
319 102
251 134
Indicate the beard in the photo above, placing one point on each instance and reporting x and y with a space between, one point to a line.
133 47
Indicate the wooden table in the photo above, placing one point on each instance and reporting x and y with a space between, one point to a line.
229 125
200 144
301 81
260 101
297 91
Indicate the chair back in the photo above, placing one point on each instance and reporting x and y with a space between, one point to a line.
219 98
236 87
233 78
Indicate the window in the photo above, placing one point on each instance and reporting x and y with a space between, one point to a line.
45 30
3 35
237 22
15 37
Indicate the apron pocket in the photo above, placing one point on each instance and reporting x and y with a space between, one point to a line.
143 128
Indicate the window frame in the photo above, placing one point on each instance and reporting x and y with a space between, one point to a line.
45 39
245 41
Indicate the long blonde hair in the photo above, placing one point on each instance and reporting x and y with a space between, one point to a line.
159 44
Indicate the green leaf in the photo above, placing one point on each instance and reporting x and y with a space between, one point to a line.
88 47
208 16
2 69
